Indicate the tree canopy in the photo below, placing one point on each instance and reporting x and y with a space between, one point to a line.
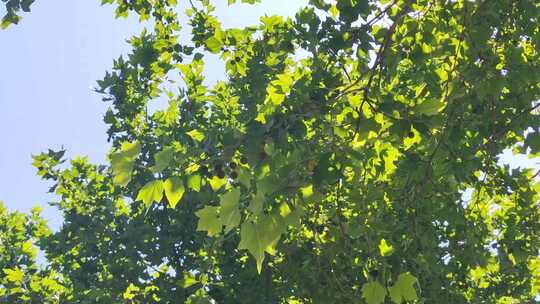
348 155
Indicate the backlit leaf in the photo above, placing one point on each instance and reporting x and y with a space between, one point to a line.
385 248
122 162
174 190
196 135
194 182
216 183
151 192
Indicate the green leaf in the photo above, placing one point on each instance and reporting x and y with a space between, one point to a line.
194 182
196 135
214 44
244 177
257 203
14 275
229 213
259 237
151 192
272 230
163 159
373 293
252 239
209 220
216 183
403 289
430 107
385 248
122 162
174 190
188 280
533 141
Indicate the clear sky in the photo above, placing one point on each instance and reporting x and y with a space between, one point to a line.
49 64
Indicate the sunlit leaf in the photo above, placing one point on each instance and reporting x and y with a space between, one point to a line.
122 162
151 192
174 190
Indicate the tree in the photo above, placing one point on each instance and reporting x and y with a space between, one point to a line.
329 166
22 280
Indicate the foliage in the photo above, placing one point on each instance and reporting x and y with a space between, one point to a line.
21 279
329 165
13 8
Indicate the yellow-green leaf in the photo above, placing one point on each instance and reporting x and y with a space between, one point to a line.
188 280
122 162
385 248
214 44
196 135
151 192
216 183
194 182
174 190
14 275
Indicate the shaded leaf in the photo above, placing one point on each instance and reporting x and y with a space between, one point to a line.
403 289
230 213
163 159
209 220
373 293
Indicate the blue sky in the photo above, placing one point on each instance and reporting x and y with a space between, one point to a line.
49 65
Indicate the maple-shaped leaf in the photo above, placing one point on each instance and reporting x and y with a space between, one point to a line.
209 220
403 288
252 239
122 162
260 237
163 159
373 292
229 213
151 192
